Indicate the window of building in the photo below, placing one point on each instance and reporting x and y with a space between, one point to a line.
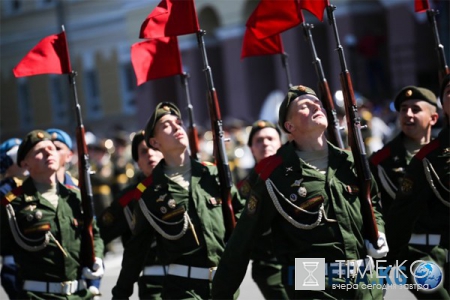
59 99
127 81
25 105
92 95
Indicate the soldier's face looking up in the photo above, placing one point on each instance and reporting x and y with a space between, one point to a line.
148 158
42 159
169 135
416 118
265 143
306 115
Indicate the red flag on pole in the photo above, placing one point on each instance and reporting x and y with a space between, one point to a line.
170 18
252 46
273 16
421 5
49 56
316 7
156 58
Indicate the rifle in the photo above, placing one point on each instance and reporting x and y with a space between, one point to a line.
192 129
355 139
443 68
87 255
219 142
333 129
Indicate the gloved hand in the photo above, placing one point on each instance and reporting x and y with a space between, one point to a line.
382 244
97 270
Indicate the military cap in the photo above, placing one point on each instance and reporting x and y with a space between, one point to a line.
257 126
8 153
293 93
9 144
61 136
162 109
414 93
443 85
137 139
29 141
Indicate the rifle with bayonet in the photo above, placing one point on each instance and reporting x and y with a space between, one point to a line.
219 142
333 129
192 128
355 139
443 68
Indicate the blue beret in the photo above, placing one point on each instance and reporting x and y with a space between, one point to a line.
61 136
8 144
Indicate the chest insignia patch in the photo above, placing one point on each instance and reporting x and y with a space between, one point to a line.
161 198
245 189
38 215
406 185
297 182
293 197
158 187
252 204
30 207
29 198
163 209
30 217
172 203
302 191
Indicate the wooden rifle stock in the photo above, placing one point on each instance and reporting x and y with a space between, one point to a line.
192 129
333 129
355 140
443 68
220 154
87 255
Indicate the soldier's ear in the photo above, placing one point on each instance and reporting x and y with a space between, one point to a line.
434 118
289 126
154 143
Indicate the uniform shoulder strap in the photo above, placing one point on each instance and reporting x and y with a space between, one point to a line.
128 197
11 196
425 150
379 156
142 186
265 167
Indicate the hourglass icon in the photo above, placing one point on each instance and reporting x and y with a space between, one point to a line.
310 280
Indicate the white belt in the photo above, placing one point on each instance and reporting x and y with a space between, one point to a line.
425 239
61 288
8 260
156 270
350 264
192 272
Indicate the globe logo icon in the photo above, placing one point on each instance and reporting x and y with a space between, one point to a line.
428 275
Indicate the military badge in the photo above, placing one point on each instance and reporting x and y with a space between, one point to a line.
252 204
301 88
261 124
302 191
38 214
166 108
293 197
406 185
172 203
40 135
163 209
297 182
408 93
157 187
107 218
30 207
30 217
29 198
245 189
161 198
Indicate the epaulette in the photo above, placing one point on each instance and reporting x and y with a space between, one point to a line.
207 163
11 196
128 197
142 186
380 156
425 150
266 166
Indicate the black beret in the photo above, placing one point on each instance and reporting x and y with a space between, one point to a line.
443 85
293 93
257 126
29 141
414 93
162 109
137 139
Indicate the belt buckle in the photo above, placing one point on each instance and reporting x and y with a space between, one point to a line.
66 288
211 272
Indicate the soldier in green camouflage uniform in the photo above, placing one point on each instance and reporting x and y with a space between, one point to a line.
308 195
181 206
422 202
116 220
42 222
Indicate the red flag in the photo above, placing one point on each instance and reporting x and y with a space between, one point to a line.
421 5
156 58
251 46
274 16
49 56
170 18
316 7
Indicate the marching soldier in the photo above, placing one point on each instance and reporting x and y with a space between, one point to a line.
41 222
421 208
181 206
308 195
264 140
116 220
